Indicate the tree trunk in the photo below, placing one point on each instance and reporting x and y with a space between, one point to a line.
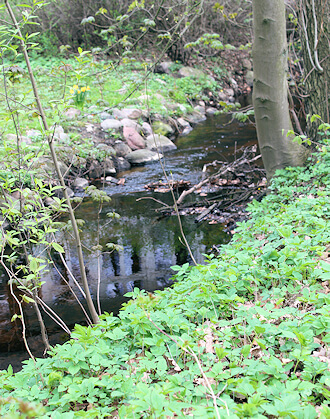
315 32
270 90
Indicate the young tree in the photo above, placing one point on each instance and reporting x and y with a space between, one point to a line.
270 91
314 20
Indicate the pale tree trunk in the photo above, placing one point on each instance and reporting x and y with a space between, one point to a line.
270 91
315 32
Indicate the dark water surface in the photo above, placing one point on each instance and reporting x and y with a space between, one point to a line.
151 243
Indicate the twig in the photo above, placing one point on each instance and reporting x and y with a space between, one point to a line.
153 199
228 168
206 212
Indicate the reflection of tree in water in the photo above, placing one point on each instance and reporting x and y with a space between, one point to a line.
114 256
181 252
135 261
10 331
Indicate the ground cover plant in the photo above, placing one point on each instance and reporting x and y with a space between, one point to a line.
245 335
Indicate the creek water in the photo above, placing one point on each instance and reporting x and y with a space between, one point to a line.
151 244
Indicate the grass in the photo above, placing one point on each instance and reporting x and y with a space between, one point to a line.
102 85
245 335
110 86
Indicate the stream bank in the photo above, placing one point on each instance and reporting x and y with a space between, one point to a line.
151 242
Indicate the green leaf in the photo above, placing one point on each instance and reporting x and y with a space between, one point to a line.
245 351
57 247
27 299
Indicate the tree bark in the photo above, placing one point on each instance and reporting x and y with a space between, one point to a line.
270 90
315 31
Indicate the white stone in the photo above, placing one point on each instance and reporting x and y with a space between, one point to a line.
111 124
160 142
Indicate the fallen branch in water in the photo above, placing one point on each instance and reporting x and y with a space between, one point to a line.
205 213
228 167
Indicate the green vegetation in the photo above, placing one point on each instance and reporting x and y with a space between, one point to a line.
104 86
245 335
65 84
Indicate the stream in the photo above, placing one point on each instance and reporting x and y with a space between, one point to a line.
151 243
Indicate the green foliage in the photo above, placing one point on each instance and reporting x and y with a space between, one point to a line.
243 116
257 319
65 83
79 95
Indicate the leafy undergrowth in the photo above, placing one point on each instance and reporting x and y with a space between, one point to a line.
245 335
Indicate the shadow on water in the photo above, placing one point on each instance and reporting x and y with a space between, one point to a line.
151 244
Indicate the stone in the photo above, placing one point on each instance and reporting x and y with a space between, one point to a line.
187 130
121 148
126 113
13 137
95 170
222 97
105 115
111 179
246 64
146 128
157 142
102 103
49 202
4 224
59 134
80 183
163 67
48 166
70 192
145 114
59 193
229 92
89 127
211 111
79 162
108 167
183 123
121 164
133 138
249 76
200 109
72 113
192 72
130 123
33 133
160 127
195 117
106 149
234 83
111 124
182 107
143 156
144 98
161 81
